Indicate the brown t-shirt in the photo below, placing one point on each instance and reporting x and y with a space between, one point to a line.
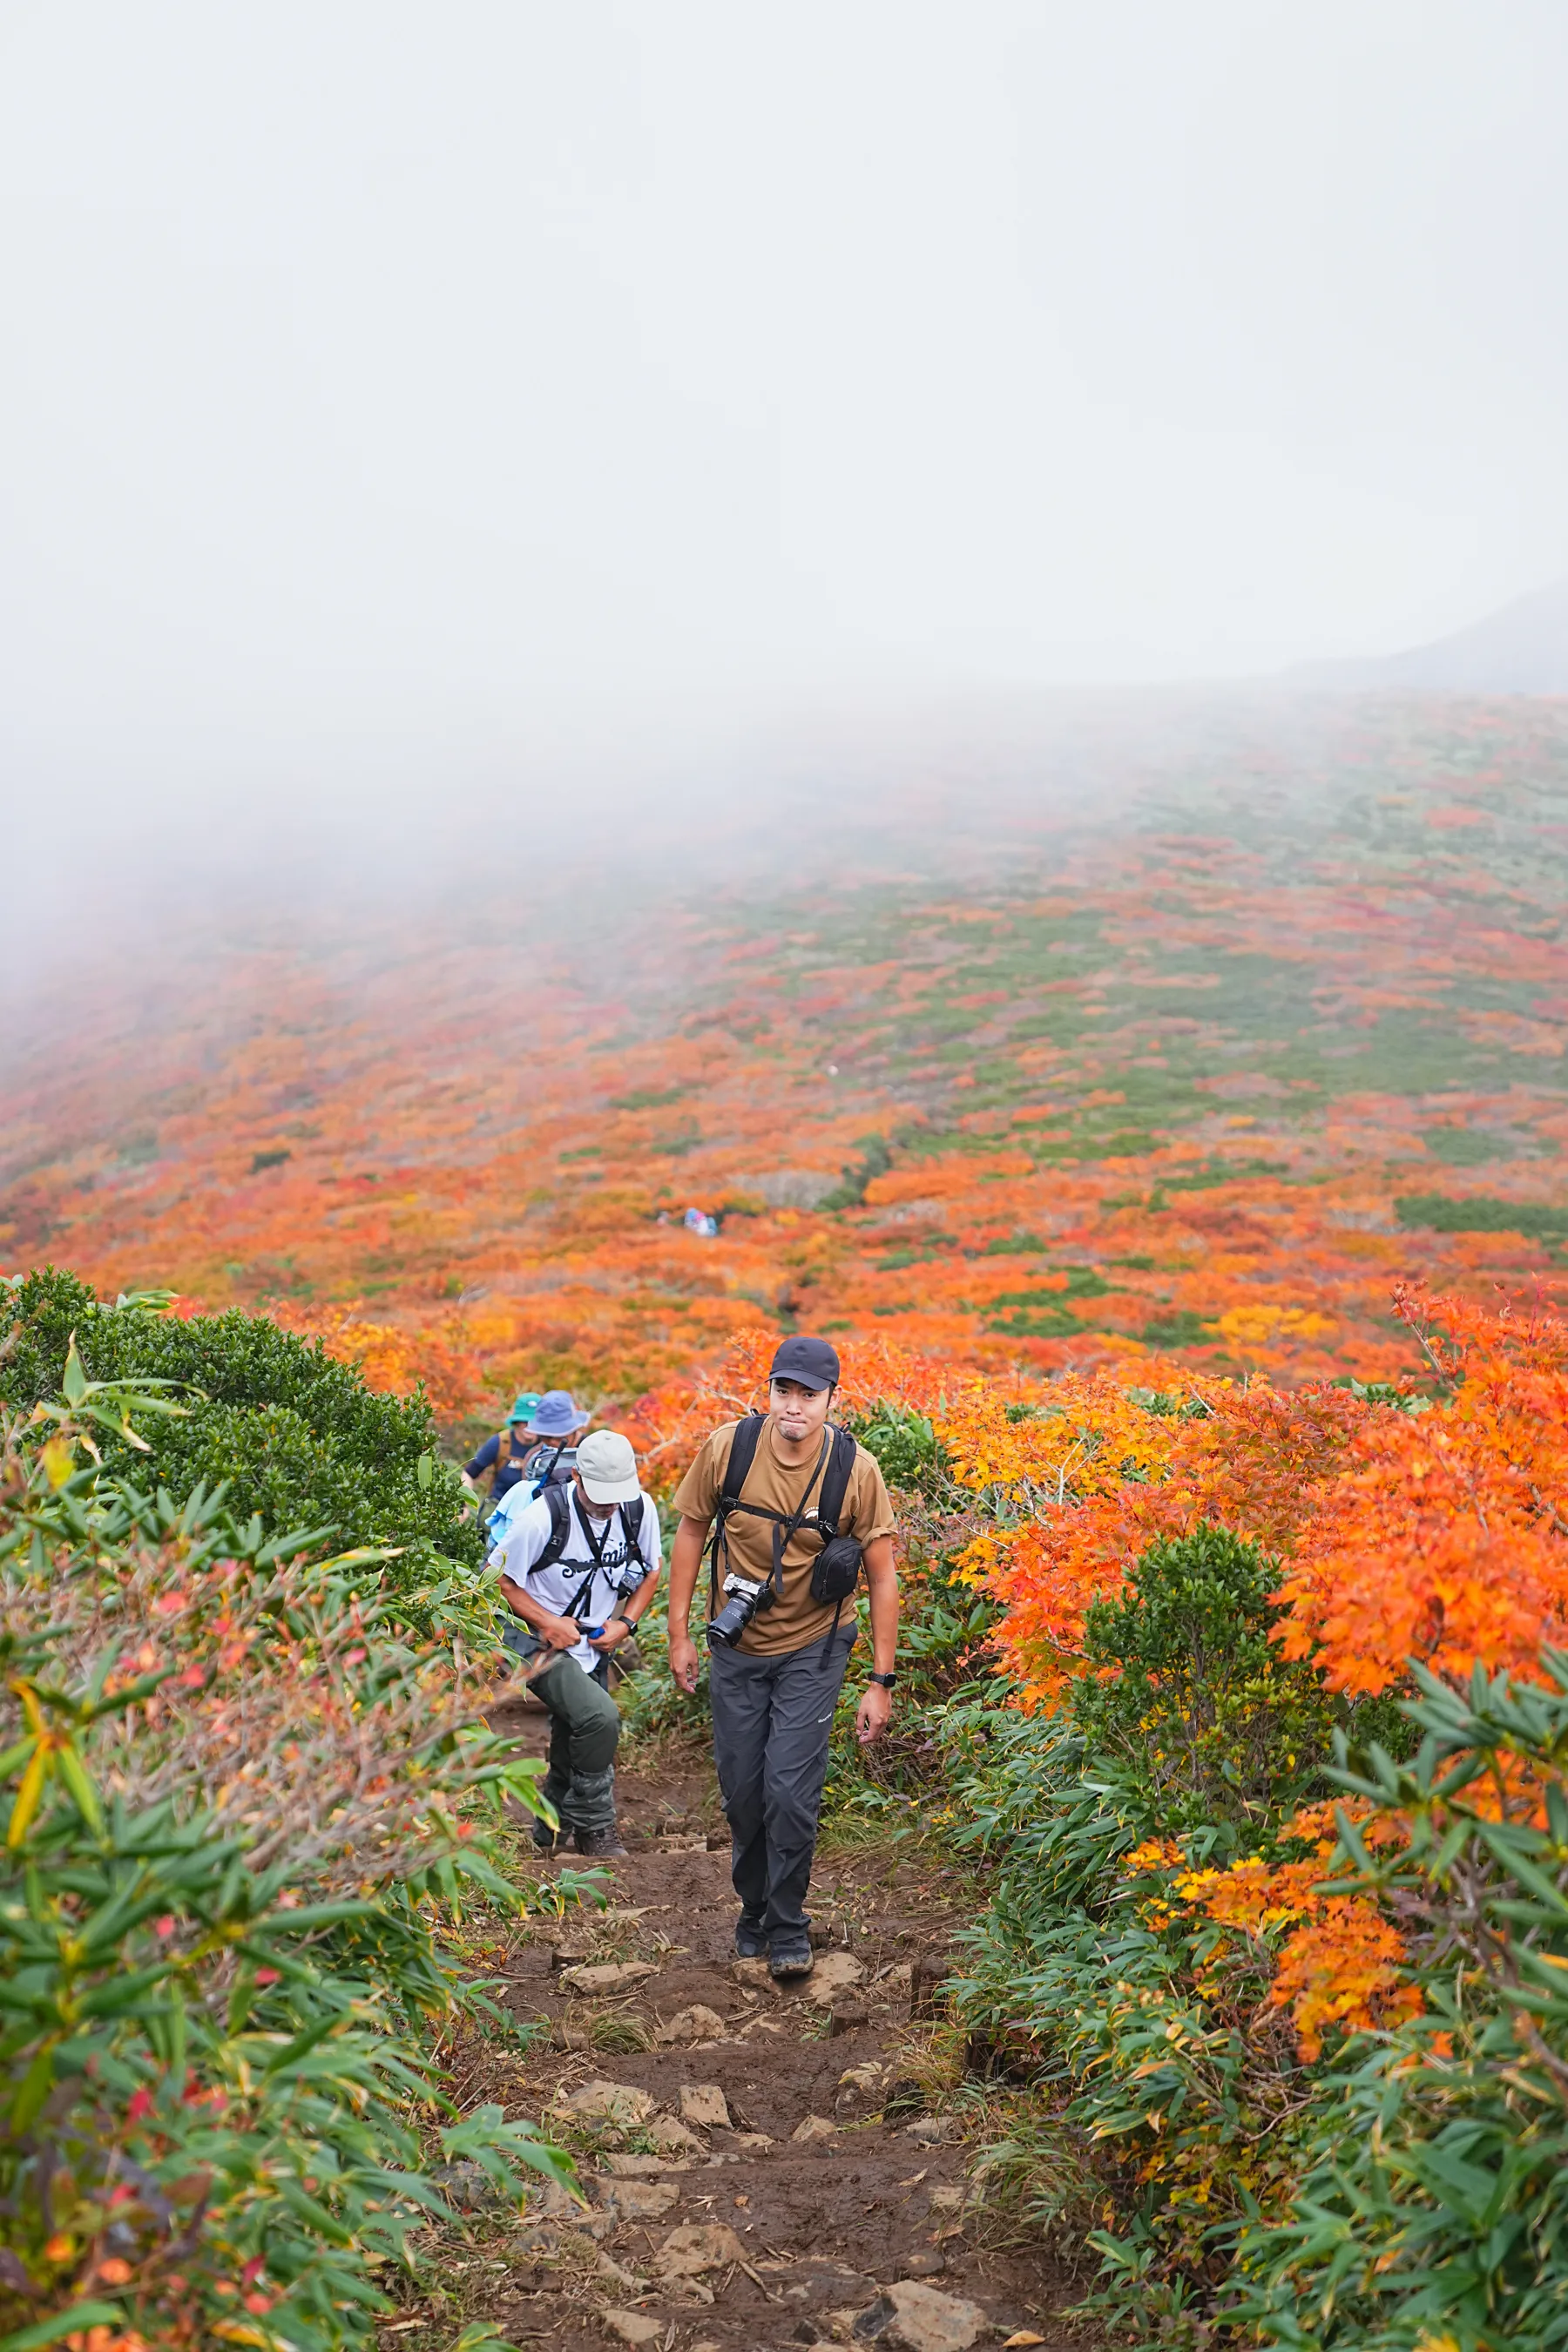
795 1619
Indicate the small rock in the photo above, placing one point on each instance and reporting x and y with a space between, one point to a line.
608 1976
697 2247
752 1974
812 2127
469 2187
672 2138
753 2144
945 2200
548 2200
635 2201
834 1972
704 2104
925 2320
641 2168
847 2017
620 2104
694 2024
569 1956
929 2263
935 2131
928 1982
633 2326
862 2080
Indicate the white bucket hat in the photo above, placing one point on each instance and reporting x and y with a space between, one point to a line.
608 1468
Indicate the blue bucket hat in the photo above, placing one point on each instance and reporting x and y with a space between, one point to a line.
557 1415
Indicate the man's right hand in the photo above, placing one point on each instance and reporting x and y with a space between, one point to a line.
684 1661
559 1633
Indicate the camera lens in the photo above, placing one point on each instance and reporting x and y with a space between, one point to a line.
731 1621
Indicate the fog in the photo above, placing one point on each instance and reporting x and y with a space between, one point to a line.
414 415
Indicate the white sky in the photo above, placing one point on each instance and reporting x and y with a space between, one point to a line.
419 384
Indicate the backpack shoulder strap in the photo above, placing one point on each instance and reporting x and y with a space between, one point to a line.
631 1520
742 1454
836 1483
558 1502
503 1443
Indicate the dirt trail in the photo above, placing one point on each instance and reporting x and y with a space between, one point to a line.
755 2131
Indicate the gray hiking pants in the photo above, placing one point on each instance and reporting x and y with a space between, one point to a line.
772 1721
585 1732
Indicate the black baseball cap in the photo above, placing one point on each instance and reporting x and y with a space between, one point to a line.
812 1362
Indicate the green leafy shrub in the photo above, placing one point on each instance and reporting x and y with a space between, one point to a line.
1187 1697
903 1441
239 1802
285 1429
1433 2203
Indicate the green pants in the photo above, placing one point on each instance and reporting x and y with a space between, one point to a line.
585 1732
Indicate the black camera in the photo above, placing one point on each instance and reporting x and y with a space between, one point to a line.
745 1599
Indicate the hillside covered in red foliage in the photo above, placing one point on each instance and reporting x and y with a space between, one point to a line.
1205 1079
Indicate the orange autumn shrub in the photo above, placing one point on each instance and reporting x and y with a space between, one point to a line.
1444 1535
1341 1961
1107 1476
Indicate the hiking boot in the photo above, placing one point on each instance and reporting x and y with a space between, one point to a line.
546 1839
604 1845
750 1943
791 1958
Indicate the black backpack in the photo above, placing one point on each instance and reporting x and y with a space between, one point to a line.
836 1571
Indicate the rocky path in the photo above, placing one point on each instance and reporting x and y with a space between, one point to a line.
763 2169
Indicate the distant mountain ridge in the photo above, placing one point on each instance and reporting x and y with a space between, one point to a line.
1523 650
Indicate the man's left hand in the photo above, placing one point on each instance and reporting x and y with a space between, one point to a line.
616 1630
871 1715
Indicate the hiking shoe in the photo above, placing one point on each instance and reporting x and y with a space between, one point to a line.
605 1846
790 1959
750 1943
546 1839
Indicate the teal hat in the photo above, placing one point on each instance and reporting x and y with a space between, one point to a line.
525 1404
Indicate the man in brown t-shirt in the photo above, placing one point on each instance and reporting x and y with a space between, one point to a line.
774 1690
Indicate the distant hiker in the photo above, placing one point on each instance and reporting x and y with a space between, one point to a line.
579 1564
801 1509
526 1459
503 1455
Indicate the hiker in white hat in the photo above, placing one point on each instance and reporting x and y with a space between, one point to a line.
578 1566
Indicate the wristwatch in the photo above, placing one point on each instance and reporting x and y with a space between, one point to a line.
887 1681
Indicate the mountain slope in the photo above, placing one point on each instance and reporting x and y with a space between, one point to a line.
1523 650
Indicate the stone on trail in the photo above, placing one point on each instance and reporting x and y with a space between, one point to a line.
635 2201
704 2104
935 2131
755 1974
814 2128
643 2168
620 2104
608 1976
696 2247
694 2024
633 2326
834 1972
925 2320
672 2138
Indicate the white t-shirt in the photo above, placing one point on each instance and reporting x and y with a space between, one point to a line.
557 1587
